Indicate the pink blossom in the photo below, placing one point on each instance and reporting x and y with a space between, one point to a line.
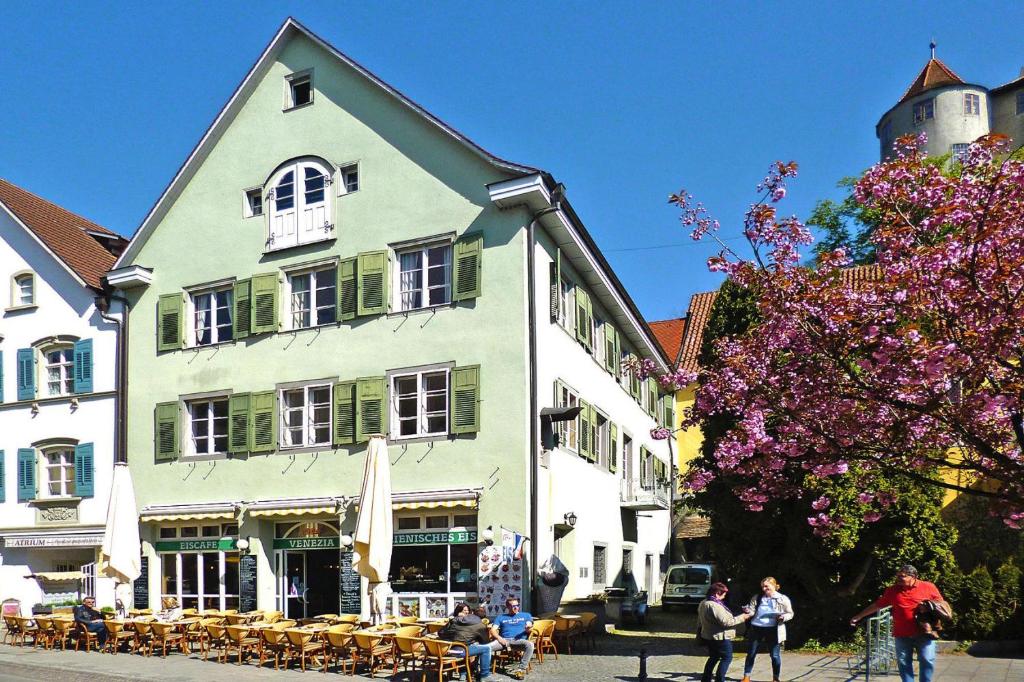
821 503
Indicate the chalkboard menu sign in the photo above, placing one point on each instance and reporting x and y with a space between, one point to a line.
141 586
247 583
348 584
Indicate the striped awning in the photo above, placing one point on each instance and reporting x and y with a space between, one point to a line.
56 576
198 516
187 512
436 504
293 511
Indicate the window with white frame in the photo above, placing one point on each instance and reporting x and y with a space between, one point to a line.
24 290
299 205
298 89
598 337
972 104
924 111
349 175
626 467
60 370
306 416
208 426
59 465
602 440
211 316
567 311
419 403
253 202
313 297
600 565
424 276
959 151
569 429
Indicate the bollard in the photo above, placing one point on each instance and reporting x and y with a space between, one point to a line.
642 677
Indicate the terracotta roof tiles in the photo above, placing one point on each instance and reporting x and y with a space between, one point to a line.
933 75
63 232
669 334
696 320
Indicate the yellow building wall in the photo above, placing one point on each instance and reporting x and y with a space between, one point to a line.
688 441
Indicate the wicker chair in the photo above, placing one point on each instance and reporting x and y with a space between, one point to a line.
272 616
370 649
117 635
216 638
434 628
589 628
438 657
45 631
301 644
164 634
196 634
409 651
273 642
566 632
82 634
236 618
25 627
62 632
9 629
543 641
143 637
346 618
284 624
240 639
338 647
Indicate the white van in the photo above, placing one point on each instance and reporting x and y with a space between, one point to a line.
686 584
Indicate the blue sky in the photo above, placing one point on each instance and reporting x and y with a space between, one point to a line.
623 102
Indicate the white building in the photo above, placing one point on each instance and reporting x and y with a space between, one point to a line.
952 112
57 399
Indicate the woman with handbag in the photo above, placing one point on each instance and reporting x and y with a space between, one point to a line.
716 626
770 611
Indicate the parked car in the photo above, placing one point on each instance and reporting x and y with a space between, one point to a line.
685 584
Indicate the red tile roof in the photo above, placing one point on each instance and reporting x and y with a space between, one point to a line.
63 232
696 320
933 75
669 334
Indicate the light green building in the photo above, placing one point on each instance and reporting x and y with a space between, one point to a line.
331 262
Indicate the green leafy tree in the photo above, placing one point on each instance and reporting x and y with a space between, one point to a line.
845 224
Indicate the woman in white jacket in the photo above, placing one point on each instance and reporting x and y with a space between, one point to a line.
770 611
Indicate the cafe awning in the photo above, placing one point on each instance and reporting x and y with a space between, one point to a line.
187 512
56 576
53 538
294 506
314 506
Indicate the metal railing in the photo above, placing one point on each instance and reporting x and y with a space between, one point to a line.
879 656
632 492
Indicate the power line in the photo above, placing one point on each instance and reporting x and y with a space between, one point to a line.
670 246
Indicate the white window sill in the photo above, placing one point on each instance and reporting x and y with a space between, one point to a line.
300 449
420 311
298 106
21 308
419 438
211 345
45 501
328 237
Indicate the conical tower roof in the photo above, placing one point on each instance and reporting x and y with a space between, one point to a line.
933 75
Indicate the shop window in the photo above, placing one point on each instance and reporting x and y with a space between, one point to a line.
189 532
409 523
168 532
211 531
437 521
463 568
420 568
465 520
230 530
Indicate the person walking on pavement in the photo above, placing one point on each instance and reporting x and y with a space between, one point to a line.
771 610
903 597
717 628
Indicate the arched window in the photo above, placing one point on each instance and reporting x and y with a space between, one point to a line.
23 289
300 204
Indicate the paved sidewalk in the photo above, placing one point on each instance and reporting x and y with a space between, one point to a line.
672 660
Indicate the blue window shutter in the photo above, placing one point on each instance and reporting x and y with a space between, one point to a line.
26 474
3 481
83 470
83 366
26 374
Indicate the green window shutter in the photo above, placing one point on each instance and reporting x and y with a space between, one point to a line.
84 470
611 360
166 431
347 289
263 421
590 323
584 431
264 303
26 474
3 479
371 408
372 273
170 327
582 323
559 427
634 384
643 467
669 404
83 366
344 413
243 308
555 272
26 373
594 454
617 361
652 396
467 271
613 447
239 411
464 404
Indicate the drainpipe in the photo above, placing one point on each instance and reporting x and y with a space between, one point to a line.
120 370
531 287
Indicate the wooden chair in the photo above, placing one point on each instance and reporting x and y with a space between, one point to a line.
216 638
408 620
370 649
409 650
542 636
240 639
196 634
588 629
82 634
143 637
566 632
167 633
338 647
439 658
226 612
325 617
117 634
189 613
25 627
273 642
301 645
346 618
236 618
62 632
45 631
10 627
272 616
284 624
434 628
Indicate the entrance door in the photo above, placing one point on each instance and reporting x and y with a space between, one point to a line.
322 589
294 587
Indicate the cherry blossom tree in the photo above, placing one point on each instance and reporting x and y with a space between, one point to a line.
911 368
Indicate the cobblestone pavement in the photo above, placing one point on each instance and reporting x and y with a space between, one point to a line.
615 658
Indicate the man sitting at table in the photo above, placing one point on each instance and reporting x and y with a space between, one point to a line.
512 631
88 617
466 627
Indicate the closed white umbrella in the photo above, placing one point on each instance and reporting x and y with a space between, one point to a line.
371 550
120 553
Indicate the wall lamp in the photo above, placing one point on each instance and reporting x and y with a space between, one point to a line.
346 540
570 519
243 545
488 535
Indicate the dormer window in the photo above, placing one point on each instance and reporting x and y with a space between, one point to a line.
253 202
298 204
299 89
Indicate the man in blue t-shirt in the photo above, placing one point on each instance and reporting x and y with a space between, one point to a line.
512 631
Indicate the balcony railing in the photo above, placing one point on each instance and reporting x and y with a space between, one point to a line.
649 496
